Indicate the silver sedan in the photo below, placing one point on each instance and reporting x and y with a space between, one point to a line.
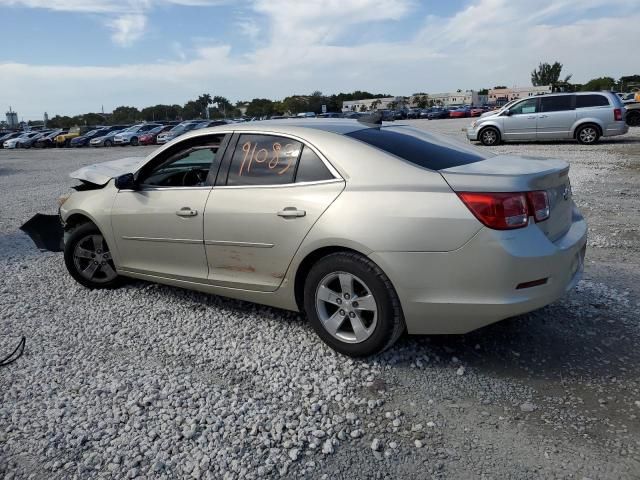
371 230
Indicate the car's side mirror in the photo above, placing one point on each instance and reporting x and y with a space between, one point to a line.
507 113
126 182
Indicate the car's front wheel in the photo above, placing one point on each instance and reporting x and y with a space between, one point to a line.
352 305
108 143
88 258
134 141
489 136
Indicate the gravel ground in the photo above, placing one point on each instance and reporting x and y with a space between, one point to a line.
158 382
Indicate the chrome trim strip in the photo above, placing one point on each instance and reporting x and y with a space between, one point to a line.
168 240
238 244
282 185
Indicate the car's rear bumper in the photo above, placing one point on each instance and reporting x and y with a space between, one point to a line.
616 128
476 285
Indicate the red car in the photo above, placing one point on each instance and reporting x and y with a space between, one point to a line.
476 112
459 112
149 138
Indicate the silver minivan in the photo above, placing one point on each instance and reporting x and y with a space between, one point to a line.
583 116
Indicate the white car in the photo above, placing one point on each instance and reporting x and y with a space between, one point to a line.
131 135
15 142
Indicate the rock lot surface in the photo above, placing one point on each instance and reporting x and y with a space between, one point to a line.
157 382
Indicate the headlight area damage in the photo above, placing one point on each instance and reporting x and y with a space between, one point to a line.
47 231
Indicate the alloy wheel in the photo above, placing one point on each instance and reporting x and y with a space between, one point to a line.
92 259
489 137
346 307
588 135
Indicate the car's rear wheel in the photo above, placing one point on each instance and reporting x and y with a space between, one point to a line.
352 305
108 143
633 118
88 258
134 141
489 136
587 134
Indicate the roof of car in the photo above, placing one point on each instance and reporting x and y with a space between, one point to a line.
334 125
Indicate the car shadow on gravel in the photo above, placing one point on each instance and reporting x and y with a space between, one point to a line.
560 341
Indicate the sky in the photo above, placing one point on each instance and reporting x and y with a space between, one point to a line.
75 56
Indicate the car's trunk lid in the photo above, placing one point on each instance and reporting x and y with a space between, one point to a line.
101 173
510 173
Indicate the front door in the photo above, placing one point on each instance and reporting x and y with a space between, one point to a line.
556 117
159 226
276 189
521 122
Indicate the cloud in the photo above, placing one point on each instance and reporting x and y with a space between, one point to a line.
127 28
312 47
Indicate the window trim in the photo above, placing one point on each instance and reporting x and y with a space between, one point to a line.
526 99
225 165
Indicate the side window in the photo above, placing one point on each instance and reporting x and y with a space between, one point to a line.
263 160
311 168
595 100
556 104
526 106
186 164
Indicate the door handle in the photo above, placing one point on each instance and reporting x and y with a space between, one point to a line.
543 116
186 212
291 212
531 118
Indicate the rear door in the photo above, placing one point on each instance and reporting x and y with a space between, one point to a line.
270 192
557 116
521 122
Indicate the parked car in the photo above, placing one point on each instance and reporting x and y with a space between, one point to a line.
476 111
306 115
353 115
131 135
438 113
460 112
105 140
583 116
84 140
176 131
30 142
64 140
15 141
633 114
9 136
330 115
450 256
211 123
151 136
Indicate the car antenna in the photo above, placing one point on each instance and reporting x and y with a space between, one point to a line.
371 120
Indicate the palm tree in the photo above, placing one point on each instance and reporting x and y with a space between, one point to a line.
547 74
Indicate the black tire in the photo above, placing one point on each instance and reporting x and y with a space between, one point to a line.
78 238
587 134
108 143
389 324
489 136
633 118
134 141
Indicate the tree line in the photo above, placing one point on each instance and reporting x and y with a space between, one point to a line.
207 106
550 74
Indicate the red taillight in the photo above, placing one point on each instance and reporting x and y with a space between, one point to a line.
506 211
539 205
617 114
501 211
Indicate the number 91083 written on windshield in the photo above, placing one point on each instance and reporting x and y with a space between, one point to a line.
278 161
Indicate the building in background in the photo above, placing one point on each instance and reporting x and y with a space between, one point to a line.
45 120
12 119
366 105
500 96
453 99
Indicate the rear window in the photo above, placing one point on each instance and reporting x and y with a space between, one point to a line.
419 147
595 100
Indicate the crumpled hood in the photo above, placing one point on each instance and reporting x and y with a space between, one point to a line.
101 173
